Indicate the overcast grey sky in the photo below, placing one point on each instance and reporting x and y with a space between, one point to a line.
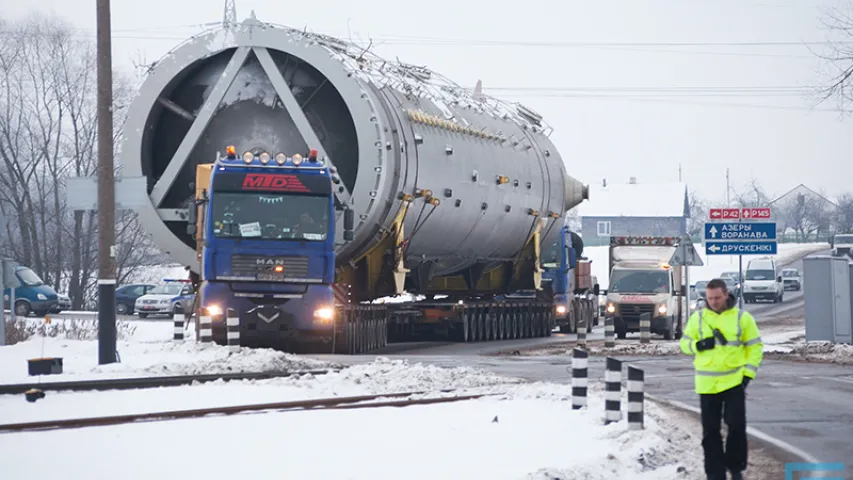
604 127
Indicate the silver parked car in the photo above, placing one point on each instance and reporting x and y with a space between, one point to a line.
791 279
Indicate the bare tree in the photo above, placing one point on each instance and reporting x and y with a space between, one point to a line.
48 131
845 214
838 57
698 211
573 220
750 196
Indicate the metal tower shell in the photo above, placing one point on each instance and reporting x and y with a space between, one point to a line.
406 140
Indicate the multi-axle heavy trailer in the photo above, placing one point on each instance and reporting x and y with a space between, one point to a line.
452 194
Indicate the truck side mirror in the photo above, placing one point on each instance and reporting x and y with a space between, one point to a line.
779 279
684 290
349 224
596 290
192 218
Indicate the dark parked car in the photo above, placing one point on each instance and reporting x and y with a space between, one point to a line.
732 285
126 296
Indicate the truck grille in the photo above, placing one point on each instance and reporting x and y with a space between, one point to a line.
633 311
252 265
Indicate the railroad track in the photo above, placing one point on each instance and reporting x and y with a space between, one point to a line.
150 382
338 403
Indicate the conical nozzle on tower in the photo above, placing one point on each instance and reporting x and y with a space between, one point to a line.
575 193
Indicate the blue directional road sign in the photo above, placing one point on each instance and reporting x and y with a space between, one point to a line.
740 231
740 248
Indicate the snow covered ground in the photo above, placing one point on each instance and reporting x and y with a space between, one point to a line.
145 350
527 432
714 264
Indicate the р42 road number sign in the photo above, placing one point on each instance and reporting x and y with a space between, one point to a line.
725 213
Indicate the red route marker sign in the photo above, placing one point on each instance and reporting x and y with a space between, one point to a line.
726 213
760 213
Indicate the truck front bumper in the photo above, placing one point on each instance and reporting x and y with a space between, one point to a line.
632 324
762 295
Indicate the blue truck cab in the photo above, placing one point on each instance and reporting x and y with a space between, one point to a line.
266 230
565 277
32 295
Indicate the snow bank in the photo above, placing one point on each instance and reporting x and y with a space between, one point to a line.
714 264
828 352
529 431
148 350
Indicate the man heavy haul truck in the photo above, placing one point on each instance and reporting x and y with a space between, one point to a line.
452 193
643 282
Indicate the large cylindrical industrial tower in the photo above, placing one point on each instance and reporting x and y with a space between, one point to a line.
389 129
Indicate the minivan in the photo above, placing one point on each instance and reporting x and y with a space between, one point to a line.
762 282
32 296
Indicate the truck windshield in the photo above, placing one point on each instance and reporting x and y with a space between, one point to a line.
639 281
844 239
270 216
29 278
789 273
760 274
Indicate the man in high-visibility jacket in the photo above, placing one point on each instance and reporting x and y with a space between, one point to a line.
727 351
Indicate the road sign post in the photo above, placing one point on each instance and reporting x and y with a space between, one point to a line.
685 255
86 193
735 231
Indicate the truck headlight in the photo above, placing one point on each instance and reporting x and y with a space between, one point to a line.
325 314
214 310
611 308
561 309
662 309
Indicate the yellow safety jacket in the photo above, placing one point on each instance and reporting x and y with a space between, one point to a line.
724 366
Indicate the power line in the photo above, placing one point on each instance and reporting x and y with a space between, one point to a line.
405 40
669 101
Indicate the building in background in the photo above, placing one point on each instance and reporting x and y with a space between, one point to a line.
804 215
633 208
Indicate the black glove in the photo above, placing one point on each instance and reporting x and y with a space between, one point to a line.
706 344
745 382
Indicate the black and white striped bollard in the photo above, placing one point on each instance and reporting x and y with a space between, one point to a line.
205 329
233 330
645 327
580 378
581 327
179 327
612 391
609 341
636 386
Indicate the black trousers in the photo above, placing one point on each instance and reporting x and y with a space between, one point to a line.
730 406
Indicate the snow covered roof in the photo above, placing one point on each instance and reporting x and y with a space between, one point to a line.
635 200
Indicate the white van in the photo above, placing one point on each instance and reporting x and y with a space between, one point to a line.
762 281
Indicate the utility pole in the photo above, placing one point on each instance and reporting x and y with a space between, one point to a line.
106 191
728 190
